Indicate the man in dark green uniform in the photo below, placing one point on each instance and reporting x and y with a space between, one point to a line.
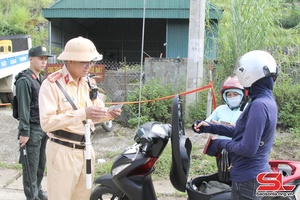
30 134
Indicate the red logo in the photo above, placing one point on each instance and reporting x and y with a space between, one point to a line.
67 79
272 181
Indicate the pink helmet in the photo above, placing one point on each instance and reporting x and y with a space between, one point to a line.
231 83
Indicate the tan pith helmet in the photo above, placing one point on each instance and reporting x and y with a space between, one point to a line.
80 49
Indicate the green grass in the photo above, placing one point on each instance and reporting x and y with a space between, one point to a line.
204 165
11 166
200 164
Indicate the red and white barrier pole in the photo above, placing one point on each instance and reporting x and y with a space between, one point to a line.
88 156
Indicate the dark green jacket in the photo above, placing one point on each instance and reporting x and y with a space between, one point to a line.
27 92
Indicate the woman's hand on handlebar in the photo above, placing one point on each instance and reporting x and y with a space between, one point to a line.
198 126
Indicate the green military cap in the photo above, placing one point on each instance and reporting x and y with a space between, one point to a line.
38 51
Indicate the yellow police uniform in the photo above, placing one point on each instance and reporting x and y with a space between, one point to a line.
66 154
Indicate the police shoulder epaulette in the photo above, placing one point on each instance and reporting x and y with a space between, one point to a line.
54 76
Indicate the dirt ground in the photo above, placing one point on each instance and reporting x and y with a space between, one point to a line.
103 141
286 146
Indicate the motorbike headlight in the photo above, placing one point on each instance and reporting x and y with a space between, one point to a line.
118 169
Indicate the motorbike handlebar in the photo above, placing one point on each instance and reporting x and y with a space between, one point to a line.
145 142
144 148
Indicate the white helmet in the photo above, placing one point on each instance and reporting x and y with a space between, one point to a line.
255 65
80 49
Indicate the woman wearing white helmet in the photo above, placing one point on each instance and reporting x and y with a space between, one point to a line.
253 135
233 94
64 124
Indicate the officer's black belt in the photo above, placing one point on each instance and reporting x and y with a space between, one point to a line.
68 144
69 136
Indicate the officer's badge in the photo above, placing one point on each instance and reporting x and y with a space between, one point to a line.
67 79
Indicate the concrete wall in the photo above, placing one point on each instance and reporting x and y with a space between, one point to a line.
166 70
118 83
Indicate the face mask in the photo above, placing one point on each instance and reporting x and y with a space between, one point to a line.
234 102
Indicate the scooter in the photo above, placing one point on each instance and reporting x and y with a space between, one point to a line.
130 177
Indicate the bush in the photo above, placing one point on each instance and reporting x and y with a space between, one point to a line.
290 21
286 94
160 110
197 110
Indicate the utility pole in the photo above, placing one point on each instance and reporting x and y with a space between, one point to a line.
195 49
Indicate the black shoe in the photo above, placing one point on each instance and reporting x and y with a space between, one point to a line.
43 195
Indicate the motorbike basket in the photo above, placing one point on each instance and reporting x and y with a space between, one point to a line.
208 187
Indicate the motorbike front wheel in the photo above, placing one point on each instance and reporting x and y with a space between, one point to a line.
108 126
103 192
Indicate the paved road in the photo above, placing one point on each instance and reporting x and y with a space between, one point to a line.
11 187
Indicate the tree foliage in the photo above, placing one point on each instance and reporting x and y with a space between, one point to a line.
267 25
272 25
249 25
244 26
151 111
24 17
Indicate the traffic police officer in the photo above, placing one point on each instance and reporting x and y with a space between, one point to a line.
65 150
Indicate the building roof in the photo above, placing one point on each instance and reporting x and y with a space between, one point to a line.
159 9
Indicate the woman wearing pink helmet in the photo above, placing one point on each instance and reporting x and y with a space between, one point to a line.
233 94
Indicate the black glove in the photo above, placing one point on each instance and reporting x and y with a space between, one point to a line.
196 123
